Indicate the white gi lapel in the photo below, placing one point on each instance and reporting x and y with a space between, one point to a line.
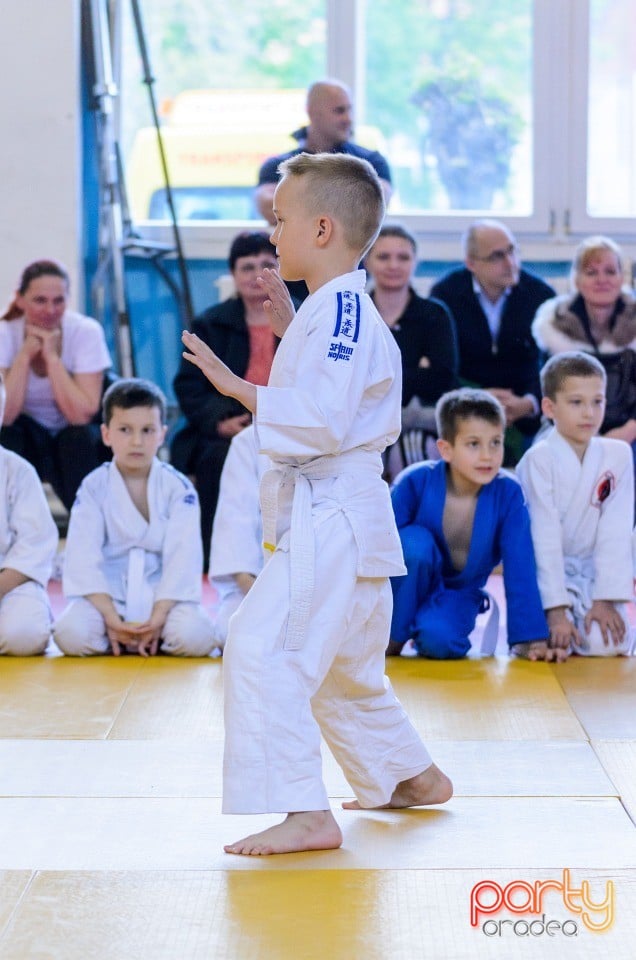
576 519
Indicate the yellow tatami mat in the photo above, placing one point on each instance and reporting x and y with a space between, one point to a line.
476 700
111 833
192 768
312 915
602 694
134 834
60 697
619 759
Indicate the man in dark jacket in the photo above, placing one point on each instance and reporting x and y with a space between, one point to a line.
494 302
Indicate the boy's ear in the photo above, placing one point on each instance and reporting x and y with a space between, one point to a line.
547 407
324 230
445 448
105 434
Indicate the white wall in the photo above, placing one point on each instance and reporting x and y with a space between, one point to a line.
40 172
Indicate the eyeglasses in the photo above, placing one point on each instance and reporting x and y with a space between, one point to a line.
498 256
256 266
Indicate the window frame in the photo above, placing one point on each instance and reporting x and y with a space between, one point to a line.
559 217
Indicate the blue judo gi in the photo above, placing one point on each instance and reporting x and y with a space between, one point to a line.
437 605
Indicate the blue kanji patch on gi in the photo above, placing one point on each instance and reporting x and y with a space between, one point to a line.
190 499
348 318
347 328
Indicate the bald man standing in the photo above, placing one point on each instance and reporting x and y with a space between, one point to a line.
330 125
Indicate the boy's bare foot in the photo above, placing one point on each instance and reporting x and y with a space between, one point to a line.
308 830
431 786
539 650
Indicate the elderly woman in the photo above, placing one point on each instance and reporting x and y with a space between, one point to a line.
53 362
239 332
600 318
423 328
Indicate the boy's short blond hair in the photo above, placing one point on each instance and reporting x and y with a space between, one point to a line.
342 187
572 363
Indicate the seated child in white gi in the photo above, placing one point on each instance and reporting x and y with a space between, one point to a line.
580 491
236 553
305 651
133 552
28 541
458 518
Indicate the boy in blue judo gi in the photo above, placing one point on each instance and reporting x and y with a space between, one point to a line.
458 518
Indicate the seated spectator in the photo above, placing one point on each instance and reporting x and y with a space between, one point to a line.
493 302
423 328
458 518
132 565
53 361
599 317
239 333
236 555
28 541
580 491
328 131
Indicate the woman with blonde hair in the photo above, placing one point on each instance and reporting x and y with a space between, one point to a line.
599 317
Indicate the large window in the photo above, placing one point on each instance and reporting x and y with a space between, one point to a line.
230 81
525 109
449 84
611 132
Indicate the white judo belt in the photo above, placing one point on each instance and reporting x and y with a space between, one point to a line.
301 533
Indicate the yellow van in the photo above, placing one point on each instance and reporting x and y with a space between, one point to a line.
215 142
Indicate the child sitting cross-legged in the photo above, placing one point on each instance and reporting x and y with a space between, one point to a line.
580 490
132 565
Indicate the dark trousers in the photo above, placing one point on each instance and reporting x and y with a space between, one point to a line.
62 459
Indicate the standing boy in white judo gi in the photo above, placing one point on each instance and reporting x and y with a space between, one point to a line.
305 652
236 551
28 541
580 491
133 552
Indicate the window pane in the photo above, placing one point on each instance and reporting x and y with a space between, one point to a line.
449 85
230 84
611 185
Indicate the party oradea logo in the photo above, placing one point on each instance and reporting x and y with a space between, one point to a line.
491 904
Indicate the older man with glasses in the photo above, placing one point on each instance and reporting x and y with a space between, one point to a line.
494 302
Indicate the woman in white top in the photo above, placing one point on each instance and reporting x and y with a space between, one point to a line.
53 361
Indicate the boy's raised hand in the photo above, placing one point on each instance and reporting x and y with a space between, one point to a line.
278 306
217 372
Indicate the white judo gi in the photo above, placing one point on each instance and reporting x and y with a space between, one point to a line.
581 520
28 541
305 651
111 548
237 531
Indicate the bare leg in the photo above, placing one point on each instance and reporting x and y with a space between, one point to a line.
431 786
309 830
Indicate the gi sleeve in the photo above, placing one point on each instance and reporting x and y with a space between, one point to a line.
237 530
525 617
182 553
33 528
84 562
535 475
406 496
612 553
